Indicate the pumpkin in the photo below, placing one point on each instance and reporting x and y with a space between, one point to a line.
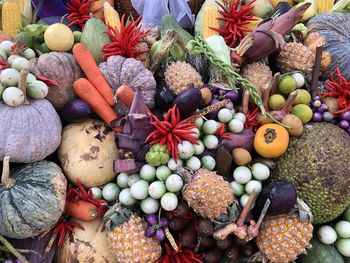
89 245
119 70
332 30
87 152
29 132
271 140
62 68
32 198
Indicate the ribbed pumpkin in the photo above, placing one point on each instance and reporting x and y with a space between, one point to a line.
119 70
32 198
29 132
332 30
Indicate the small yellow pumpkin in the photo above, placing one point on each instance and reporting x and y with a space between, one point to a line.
271 140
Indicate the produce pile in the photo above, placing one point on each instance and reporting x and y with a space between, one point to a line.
218 136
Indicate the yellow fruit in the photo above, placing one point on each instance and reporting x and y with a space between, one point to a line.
275 2
303 97
304 112
276 102
59 37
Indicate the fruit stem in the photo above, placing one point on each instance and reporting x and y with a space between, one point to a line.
22 84
5 176
246 209
289 103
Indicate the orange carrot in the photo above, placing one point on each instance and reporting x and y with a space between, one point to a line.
88 93
81 210
87 63
126 95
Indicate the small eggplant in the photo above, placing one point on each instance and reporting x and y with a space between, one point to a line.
75 110
213 255
282 8
178 224
282 195
188 101
232 253
182 210
165 98
224 244
206 227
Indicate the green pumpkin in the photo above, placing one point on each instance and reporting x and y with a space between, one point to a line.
32 198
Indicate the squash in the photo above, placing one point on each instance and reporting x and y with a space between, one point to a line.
119 70
332 30
62 68
89 245
94 37
87 152
29 132
271 140
32 198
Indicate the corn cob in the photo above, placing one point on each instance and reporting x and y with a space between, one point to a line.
324 6
11 17
111 16
210 20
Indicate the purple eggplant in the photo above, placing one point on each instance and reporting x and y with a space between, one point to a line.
282 195
165 98
240 140
75 110
188 102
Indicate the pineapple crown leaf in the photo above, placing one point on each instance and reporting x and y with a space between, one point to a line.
116 216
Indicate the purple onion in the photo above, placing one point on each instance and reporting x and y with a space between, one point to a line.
160 235
229 105
164 222
151 219
150 232
316 98
323 108
232 96
344 124
317 103
327 116
317 117
345 116
222 92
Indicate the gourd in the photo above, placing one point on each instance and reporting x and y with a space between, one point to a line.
119 70
87 152
271 140
62 68
332 30
89 245
31 131
94 37
32 198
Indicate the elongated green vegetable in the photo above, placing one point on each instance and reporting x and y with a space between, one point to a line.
342 6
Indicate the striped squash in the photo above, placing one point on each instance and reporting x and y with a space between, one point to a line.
32 198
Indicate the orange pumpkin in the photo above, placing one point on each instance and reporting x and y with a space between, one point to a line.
271 140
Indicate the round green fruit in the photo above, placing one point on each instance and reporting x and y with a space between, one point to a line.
303 97
304 112
77 36
287 85
276 102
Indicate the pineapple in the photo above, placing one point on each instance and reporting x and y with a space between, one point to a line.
126 237
207 193
259 74
284 237
295 56
179 75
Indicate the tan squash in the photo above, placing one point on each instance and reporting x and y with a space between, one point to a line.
87 152
89 245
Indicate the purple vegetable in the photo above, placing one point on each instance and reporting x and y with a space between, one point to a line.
222 92
214 114
165 98
229 105
344 124
164 222
317 117
282 196
160 235
74 110
126 166
327 116
151 219
150 232
316 98
348 130
345 116
323 108
18 261
240 140
188 102
232 96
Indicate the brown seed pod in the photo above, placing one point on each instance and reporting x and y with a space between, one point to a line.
224 244
189 237
206 227
182 210
213 255
232 253
206 241
178 224
247 250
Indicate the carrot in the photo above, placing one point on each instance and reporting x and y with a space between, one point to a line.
81 210
87 63
88 93
126 95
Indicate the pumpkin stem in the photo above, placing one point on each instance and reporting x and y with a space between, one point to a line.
289 103
5 176
10 248
22 84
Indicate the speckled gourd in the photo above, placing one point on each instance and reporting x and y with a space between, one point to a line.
332 29
29 132
119 70
62 68
32 198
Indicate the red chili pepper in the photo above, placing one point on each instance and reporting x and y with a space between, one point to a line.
48 81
